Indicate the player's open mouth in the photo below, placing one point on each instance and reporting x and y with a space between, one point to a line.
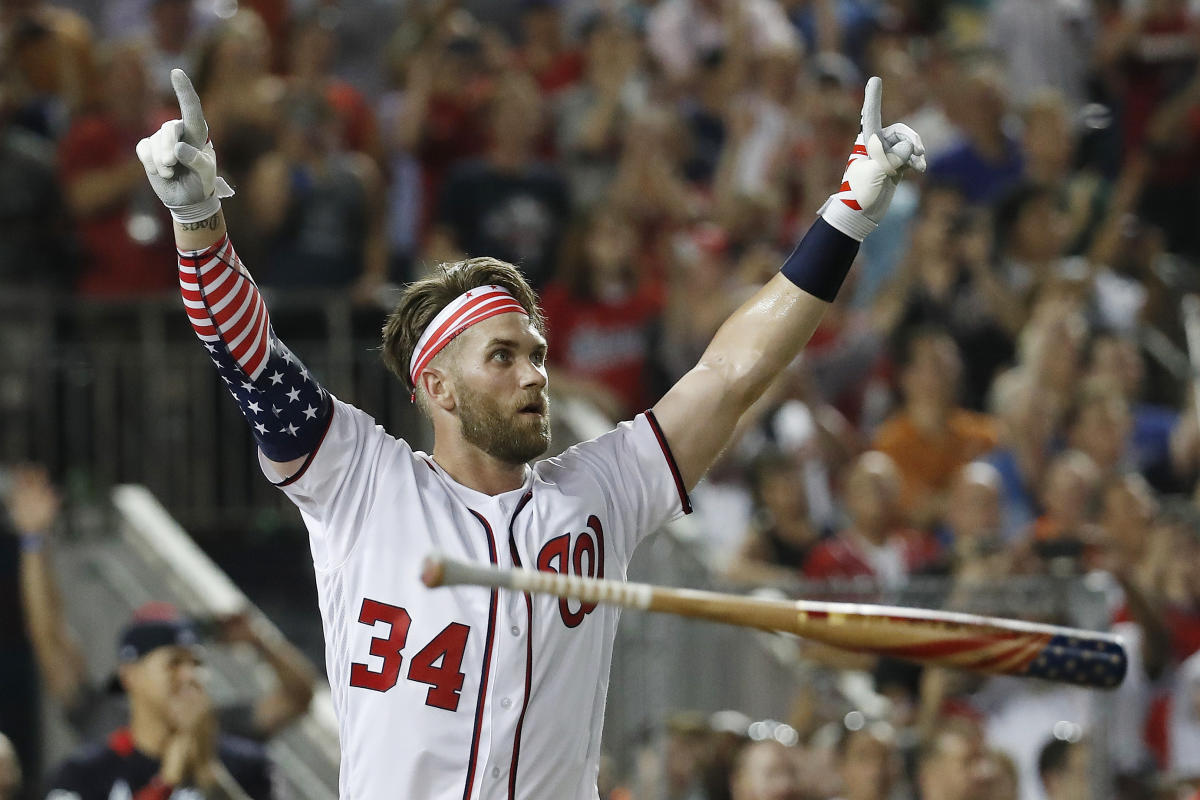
537 407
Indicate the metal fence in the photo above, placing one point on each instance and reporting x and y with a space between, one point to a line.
120 392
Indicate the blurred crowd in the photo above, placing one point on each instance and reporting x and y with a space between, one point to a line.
1001 390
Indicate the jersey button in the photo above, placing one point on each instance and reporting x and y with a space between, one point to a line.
515 630
506 703
495 772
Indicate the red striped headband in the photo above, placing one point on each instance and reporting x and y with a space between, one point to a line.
469 308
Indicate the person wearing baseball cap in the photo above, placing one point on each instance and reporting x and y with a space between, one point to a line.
171 740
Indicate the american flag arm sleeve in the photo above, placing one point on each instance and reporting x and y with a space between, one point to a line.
287 409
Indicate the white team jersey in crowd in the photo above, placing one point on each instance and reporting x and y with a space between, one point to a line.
466 693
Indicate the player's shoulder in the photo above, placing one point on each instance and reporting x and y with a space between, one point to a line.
350 419
605 451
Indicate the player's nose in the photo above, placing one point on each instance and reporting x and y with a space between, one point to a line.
533 376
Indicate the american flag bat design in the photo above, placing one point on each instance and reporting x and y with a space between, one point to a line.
941 638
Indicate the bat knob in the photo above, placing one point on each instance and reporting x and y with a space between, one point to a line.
433 571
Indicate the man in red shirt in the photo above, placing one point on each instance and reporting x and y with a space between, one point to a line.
124 232
601 318
872 545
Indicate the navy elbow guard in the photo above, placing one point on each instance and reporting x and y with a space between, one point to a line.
287 409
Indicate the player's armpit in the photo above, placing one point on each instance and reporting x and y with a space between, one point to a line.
699 413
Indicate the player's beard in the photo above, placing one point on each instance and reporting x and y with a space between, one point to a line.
505 435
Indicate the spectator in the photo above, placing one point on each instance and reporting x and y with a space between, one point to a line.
946 281
1064 767
872 545
1061 534
766 771
312 46
445 116
1050 141
931 437
1117 361
125 234
34 508
680 32
319 207
49 57
1043 45
649 186
868 763
952 764
507 204
973 512
544 54
986 161
1099 425
171 739
781 537
592 114
10 771
171 43
239 94
1128 509
602 316
35 248
1028 423
28 598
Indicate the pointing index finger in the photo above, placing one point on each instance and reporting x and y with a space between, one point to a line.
195 129
872 100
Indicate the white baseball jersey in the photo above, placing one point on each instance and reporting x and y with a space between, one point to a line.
468 693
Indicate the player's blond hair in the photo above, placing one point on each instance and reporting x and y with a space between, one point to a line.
423 299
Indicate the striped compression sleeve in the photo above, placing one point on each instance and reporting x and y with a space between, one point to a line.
287 409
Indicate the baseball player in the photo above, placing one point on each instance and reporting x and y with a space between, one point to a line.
469 693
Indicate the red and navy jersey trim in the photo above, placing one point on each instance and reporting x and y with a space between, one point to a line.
516 557
684 501
487 664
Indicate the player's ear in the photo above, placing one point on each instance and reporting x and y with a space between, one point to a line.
438 388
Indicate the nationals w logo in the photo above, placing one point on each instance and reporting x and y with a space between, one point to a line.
583 555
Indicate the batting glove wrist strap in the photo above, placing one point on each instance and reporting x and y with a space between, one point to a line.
198 212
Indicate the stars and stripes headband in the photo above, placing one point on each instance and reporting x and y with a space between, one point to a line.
469 308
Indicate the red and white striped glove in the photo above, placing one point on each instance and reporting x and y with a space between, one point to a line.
880 157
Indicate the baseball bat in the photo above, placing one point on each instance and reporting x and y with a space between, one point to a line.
941 638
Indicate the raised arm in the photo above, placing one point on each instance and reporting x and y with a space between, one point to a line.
33 507
288 411
698 415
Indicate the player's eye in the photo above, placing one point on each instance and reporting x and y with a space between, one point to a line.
501 355
538 357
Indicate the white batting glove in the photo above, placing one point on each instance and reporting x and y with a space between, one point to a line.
880 157
180 161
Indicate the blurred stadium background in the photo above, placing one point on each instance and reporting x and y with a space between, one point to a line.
997 414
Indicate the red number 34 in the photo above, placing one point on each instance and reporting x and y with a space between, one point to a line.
445 679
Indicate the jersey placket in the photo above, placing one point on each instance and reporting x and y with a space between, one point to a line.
511 678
